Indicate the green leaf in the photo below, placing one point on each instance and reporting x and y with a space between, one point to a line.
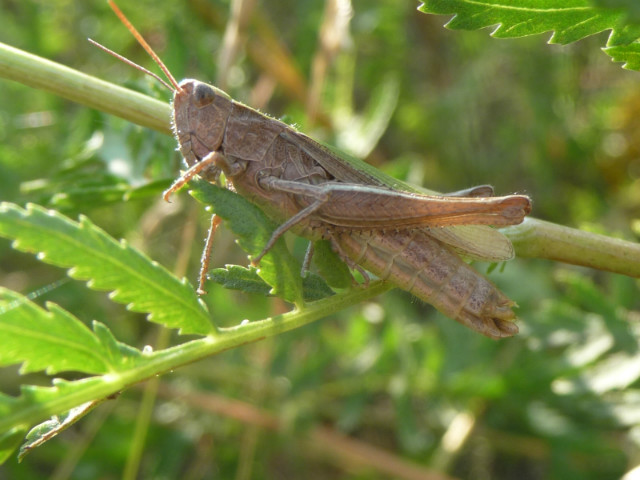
236 277
52 340
47 430
278 267
331 268
629 54
89 195
569 20
37 403
108 264
120 355
315 288
247 280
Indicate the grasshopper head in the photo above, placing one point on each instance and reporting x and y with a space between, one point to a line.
200 114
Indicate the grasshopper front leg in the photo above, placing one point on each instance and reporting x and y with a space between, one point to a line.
191 172
211 162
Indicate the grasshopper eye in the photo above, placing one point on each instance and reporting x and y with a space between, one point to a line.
204 95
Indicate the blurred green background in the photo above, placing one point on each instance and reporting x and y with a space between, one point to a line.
415 393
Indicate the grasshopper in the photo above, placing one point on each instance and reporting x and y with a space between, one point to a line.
374 222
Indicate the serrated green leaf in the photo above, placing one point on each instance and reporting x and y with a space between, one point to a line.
59 423
315 288
331 268
14 411
52 340
247 280
629 54
108 264
569 20
252 227
34 405
236 277
121 356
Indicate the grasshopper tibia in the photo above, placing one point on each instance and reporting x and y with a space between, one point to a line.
206 253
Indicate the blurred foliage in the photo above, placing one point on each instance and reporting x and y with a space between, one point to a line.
560 123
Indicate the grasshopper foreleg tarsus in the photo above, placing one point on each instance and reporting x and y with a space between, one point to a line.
206 253
210 160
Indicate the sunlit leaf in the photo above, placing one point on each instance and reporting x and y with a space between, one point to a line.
53 340
568 21
92 255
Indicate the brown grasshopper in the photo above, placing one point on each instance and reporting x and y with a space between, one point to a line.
374 222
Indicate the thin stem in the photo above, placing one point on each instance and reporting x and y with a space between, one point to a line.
73 85
141 428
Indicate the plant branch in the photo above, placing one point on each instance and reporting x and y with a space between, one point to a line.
539 239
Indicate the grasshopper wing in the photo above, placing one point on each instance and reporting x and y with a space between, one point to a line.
476 242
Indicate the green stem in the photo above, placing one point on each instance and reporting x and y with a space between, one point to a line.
143 418
539 239
52 77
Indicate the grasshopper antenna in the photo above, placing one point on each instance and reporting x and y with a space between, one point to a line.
133 64
175 86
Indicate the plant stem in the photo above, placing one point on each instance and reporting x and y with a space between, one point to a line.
44 74
539 239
